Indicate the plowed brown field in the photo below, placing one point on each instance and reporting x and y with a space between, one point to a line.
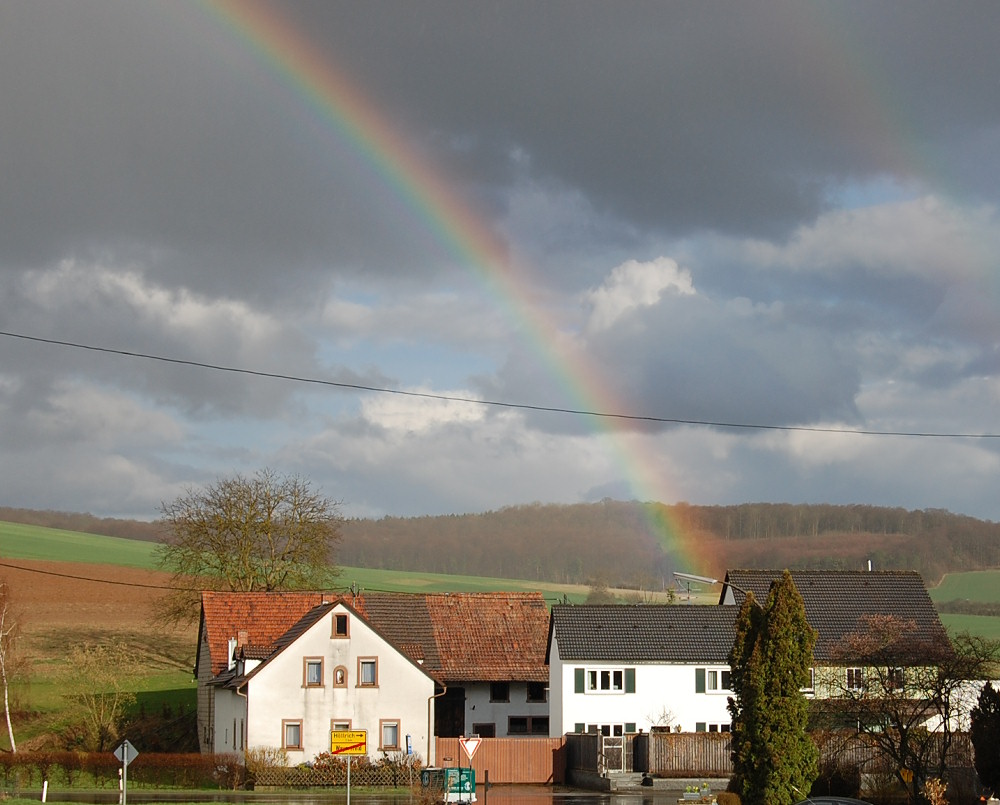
60 602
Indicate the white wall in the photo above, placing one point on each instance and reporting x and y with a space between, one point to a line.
663 694
277 692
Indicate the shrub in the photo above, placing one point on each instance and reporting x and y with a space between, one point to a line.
727 798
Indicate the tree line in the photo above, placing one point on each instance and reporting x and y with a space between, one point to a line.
633 544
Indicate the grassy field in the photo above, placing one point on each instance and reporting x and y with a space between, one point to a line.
982 586
47 544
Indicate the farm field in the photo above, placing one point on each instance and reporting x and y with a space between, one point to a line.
981 586
72 589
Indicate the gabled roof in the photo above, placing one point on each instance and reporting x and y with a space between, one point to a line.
457 637
644 633
259 618
837 603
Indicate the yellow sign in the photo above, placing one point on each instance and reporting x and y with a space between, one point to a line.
349 742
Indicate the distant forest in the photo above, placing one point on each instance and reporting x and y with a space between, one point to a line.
636 545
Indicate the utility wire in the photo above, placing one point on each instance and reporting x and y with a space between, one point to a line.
499 403
120 583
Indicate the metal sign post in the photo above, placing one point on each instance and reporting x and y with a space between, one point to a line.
126 753
349 743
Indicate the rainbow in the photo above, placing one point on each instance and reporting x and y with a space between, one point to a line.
343 107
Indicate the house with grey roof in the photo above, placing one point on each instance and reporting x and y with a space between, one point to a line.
621 669
874 628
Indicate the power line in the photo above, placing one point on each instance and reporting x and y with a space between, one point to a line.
498 403
166 587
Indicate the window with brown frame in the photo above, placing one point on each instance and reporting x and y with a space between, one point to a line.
367 672
388 734
291 734
312 672
341 625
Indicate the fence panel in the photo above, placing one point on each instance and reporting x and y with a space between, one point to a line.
539 761
690 754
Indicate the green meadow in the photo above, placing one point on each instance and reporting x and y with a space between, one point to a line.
48 544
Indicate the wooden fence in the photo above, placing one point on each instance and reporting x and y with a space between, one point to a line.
539 761
707 754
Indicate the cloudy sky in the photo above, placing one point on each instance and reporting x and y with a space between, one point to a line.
423 244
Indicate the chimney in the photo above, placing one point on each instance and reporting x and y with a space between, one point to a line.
242 638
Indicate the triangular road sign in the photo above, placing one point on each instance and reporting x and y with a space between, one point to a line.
470 745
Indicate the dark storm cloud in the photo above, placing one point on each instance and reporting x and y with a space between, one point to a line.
685 115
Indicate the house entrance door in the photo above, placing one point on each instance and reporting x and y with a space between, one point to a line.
449 714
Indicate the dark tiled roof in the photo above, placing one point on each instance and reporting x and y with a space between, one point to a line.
644 633
404 621
838 603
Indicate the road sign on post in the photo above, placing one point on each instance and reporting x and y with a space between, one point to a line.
349 742
126 753
470 745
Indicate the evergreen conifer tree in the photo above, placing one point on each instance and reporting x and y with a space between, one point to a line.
985 734
774 759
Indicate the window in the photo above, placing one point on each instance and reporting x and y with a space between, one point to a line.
312 672
855 679
367 672
484 730
537 692
340 725
389 734
499 691
340 677
604 680
812 682
709 680
528 725
341 625
894 679
702 726
607 729
291 734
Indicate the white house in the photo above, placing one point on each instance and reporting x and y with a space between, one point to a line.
329 670
621 669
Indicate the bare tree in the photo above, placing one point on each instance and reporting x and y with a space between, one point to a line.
907 693
103 686
267 532
10 659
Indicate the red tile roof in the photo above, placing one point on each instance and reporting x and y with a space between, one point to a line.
457 637
490 637
256 619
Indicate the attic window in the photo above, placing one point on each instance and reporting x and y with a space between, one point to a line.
341 625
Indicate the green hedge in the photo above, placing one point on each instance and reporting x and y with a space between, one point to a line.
101 770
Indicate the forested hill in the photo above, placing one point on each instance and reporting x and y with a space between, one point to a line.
615 542
637 545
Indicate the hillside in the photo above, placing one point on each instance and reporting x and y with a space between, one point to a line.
630 544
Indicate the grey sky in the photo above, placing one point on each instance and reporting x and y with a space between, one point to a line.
772 213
